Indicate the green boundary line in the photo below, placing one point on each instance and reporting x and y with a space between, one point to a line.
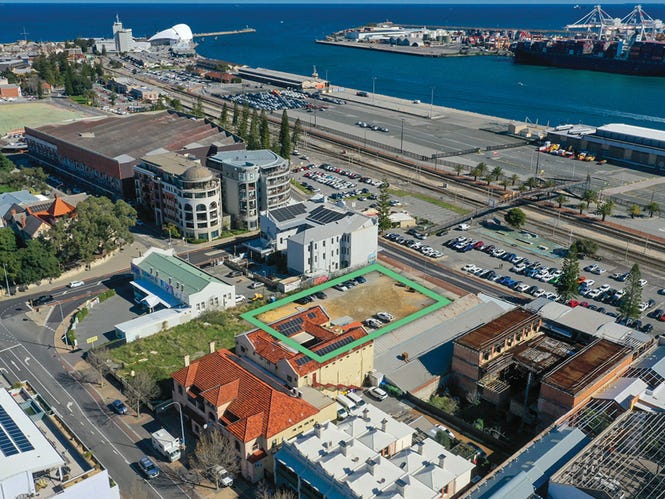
439 302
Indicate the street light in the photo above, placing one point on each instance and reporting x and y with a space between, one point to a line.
431 103
373 88
182 426
401 138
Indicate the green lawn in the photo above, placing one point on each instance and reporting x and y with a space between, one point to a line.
300 187
429 199
163 353
33 114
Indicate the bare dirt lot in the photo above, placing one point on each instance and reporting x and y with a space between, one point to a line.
379 294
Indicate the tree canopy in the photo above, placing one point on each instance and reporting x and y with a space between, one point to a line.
383 207
515 217
570 271
630 302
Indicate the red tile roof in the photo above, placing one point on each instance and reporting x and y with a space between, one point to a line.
251 407
49 214
273 350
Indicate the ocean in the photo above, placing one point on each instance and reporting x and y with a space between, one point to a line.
284 40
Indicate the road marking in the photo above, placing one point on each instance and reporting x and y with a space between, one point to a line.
69 406
9 348
26 361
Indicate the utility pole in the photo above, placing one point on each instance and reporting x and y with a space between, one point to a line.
373 88
431 103
401 138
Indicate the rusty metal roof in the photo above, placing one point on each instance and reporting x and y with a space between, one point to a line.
493 331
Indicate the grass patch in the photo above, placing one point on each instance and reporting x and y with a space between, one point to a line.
300 187
79 99
162 353
429 199
32 114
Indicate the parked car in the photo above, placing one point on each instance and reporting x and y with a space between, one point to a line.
437 428
304 300
321 295
41 300
75 284
373 323
377 393
240 299
385 316
148 467
119 407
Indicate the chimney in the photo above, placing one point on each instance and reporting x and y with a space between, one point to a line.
211 346
401 484
371 464
344 447
366 414
317 430
186 359
442 458
419 448
384 425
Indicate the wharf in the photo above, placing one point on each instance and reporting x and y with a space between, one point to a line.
222 33
447 50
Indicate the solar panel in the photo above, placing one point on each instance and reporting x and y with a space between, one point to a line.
291 327
11 429
287 212
6 445
302 360
334 346
311 315
323 215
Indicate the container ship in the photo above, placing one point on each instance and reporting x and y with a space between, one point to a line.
632 45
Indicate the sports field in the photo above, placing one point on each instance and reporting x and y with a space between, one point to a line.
384 290
33 114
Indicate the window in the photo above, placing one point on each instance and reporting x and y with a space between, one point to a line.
180 389
237 446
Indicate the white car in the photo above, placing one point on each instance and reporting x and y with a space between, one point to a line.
642 282
385 316
469 267
539 292
377 393
594 293
522 287
240 298
75 284
643 306
463 227
604 287
437 428
598 270
588 283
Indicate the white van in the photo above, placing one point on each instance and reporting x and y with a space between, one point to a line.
346 402
355 399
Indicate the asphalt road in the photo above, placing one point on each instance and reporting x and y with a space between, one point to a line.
27 353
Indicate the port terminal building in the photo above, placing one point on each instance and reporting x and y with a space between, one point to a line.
627 145
281 79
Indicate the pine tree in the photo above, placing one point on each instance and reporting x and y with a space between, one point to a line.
630 302
244 122
197 109
224 116
297 132
264 131
254 139
570 272
285 137
236 116
383 207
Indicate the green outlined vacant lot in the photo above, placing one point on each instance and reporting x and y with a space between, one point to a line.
437 302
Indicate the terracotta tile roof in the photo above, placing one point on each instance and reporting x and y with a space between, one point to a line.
273 350
51 212
251 407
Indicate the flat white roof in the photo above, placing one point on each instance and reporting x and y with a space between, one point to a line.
19 433
636 131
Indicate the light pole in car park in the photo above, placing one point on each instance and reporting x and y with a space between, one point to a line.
373 88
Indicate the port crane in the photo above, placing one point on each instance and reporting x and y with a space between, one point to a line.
637 24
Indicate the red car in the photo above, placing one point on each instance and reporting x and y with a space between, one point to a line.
479 245
572 303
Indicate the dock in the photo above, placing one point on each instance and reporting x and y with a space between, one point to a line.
222 33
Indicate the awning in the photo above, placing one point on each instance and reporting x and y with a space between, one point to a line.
154 294
152 301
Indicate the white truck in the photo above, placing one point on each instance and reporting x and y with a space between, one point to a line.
166 444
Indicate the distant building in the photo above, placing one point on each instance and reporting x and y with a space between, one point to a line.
220 390
144 93
178 190
369 455
319 239
103 152
252 181
312 329
10 91
32 219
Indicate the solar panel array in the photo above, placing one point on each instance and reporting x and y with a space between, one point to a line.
311 315
323 215
288 212
289 328
335 345
302 360
18 441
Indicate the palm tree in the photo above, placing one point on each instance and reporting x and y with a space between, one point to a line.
652 208
496 173
582 206
514 178
479 171
634 211
504 183
605 209
531 182
458 169
560 199
589 197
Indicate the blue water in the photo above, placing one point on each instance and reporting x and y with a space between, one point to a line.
285 36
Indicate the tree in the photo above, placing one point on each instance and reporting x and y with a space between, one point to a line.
652 208
589 196
113 98
197 108
6 164
254 139
531 183
630 302
236 116
606 208
383 207
634 210
243 123
224 115
284 137
176 104
140 388
515 217
214 449
37 262
172 230
570 271
480 170
458 169
584 247
496 173
514 178
264 131
297 132
582 206
560 199
504 183
40 89
98 359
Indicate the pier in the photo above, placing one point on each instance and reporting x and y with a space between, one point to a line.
222 33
